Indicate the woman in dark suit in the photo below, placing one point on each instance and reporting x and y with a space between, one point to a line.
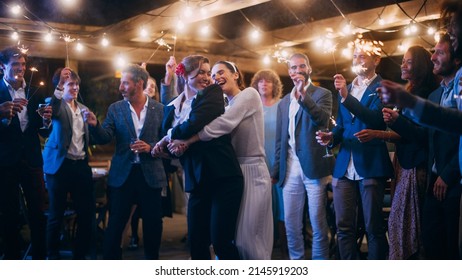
212 173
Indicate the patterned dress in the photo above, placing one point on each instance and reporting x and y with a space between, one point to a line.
404 220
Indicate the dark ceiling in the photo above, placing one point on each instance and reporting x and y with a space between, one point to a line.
291 24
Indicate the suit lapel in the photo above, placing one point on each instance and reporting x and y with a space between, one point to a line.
4 93
85 125
68 113
126 115
168 118
150 117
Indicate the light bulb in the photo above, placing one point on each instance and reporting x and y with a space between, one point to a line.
15 10
15 35
105 42
79 47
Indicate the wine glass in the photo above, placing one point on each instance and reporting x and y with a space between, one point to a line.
328 153
136 155
41 112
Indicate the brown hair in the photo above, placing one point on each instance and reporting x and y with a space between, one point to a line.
10 52
138 73
233 68
422 81
268 75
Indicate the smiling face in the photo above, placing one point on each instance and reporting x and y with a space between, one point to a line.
226 79
364 63
406 66
14 70
298 67
441 58
199 79
71 89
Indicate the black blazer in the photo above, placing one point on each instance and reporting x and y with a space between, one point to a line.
15 144
412 150
209 161
443 151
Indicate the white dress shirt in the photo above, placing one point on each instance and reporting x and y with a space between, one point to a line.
139 123
181 110
357 91
20 93
293 109
76 147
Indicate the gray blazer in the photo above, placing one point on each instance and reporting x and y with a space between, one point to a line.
56 147
314 114
119 125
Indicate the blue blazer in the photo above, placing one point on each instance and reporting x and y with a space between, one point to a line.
56 147
313 115
209 161
119 125
371 159
14 143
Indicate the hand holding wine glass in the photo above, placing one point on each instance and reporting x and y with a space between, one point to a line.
324 137
45 111
135 149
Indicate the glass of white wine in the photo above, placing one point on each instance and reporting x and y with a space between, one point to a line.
41 111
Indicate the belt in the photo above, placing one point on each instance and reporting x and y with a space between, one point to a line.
73 158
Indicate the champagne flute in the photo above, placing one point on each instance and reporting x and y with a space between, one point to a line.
328 153
41 111
136 155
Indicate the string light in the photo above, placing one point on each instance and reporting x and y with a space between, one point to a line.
120 61
255 34
79 47
266 60
15 35
16 10
69 3
205 30
328 44
104 41
48 37
144 33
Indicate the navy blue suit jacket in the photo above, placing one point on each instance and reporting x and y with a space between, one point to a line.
443 151
371 159
313 115
15 144
119 125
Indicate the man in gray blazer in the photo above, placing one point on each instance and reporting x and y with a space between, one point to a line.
133 181
65 158
300 166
